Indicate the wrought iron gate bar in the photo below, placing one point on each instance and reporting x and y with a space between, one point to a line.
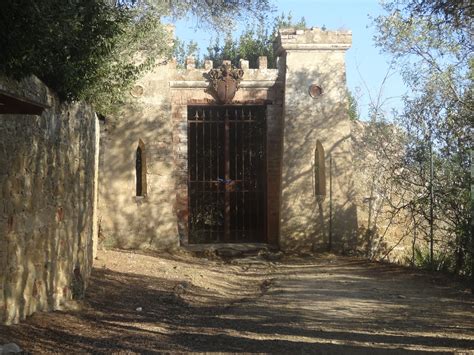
226 179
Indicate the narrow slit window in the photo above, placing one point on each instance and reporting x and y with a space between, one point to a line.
140 169
320 170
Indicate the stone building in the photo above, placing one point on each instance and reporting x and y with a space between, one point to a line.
197 157
234 155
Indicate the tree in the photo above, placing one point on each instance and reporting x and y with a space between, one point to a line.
353 107
457 13
94 50
254 42
183 50
82 49
219 14
428 41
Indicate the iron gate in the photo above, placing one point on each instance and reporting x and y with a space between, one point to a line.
226 174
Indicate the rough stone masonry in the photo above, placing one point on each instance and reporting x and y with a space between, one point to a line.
48 183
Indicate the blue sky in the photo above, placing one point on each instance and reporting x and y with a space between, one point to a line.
366 66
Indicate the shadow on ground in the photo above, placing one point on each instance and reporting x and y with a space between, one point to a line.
330 306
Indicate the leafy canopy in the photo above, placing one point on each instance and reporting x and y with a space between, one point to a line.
257 40
94 50
428 41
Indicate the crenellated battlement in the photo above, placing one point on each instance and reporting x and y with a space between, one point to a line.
192 76
209 64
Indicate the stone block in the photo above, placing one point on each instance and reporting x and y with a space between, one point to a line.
244 64
208 64
172 63
190 62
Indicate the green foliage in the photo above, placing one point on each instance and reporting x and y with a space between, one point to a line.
94 50
353 109
83 49
182 50
222 15
457 13
441 261
254 42
431 50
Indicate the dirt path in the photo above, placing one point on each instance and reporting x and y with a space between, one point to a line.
144 303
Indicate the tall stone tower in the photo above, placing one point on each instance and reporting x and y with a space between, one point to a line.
317 209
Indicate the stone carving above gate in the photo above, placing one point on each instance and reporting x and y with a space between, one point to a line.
224 82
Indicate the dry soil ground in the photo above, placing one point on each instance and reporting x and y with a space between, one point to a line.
317 304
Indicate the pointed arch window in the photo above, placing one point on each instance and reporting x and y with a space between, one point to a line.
320 170
140 169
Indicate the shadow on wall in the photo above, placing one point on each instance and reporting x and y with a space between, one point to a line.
388 229
310 221
150 222
131 219
47 188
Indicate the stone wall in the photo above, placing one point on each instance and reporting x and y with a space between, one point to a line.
386 228
315 109
297 119
157 116
47 193
126 220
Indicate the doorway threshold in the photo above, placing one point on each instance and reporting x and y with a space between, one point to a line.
231 248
